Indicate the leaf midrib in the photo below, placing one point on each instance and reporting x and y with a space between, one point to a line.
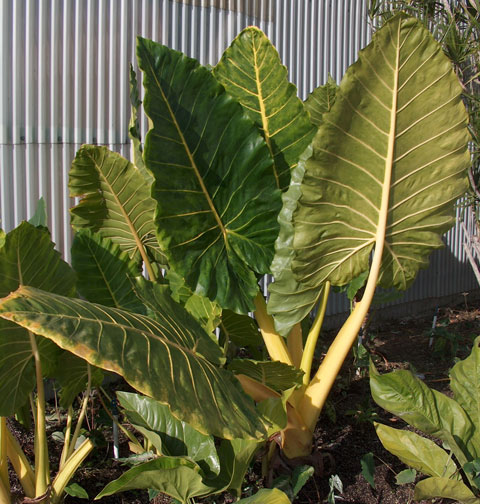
263 113
190 155
166 341
129 222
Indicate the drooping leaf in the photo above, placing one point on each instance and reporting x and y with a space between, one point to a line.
388 162
104 271
171 360
290 300
27 257
177 477
217 200
417 452
443 487
274 374
39 218
170 436
428 410
72 376
251 71
321 100
465 383
115 201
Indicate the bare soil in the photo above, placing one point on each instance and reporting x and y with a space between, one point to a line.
345 433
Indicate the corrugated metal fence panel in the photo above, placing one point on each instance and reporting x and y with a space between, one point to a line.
65 78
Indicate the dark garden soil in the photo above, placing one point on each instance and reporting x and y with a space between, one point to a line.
345 432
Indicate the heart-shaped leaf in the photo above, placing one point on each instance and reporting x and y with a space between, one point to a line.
115 201
388 163
251 71
27 257
217 201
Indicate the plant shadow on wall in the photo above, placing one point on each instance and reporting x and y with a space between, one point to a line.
375 166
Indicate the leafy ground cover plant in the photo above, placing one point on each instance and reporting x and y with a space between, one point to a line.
240 178
453 469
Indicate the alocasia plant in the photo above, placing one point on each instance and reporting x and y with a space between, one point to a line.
244 184
453 469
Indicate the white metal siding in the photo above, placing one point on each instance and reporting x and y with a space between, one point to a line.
65 82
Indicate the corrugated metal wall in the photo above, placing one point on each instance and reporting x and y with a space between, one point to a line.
65 82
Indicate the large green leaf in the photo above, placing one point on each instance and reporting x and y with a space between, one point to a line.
465 383
174 476
170 436
417 452
217 200
251 71
430 488
28 257
169 358
104 271
428 410
183 479
388 162
115 201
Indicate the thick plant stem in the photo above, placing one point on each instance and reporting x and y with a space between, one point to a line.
21 465
295 344
68 470
276 347
312 338
3 453
42 470
5 497
81 416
